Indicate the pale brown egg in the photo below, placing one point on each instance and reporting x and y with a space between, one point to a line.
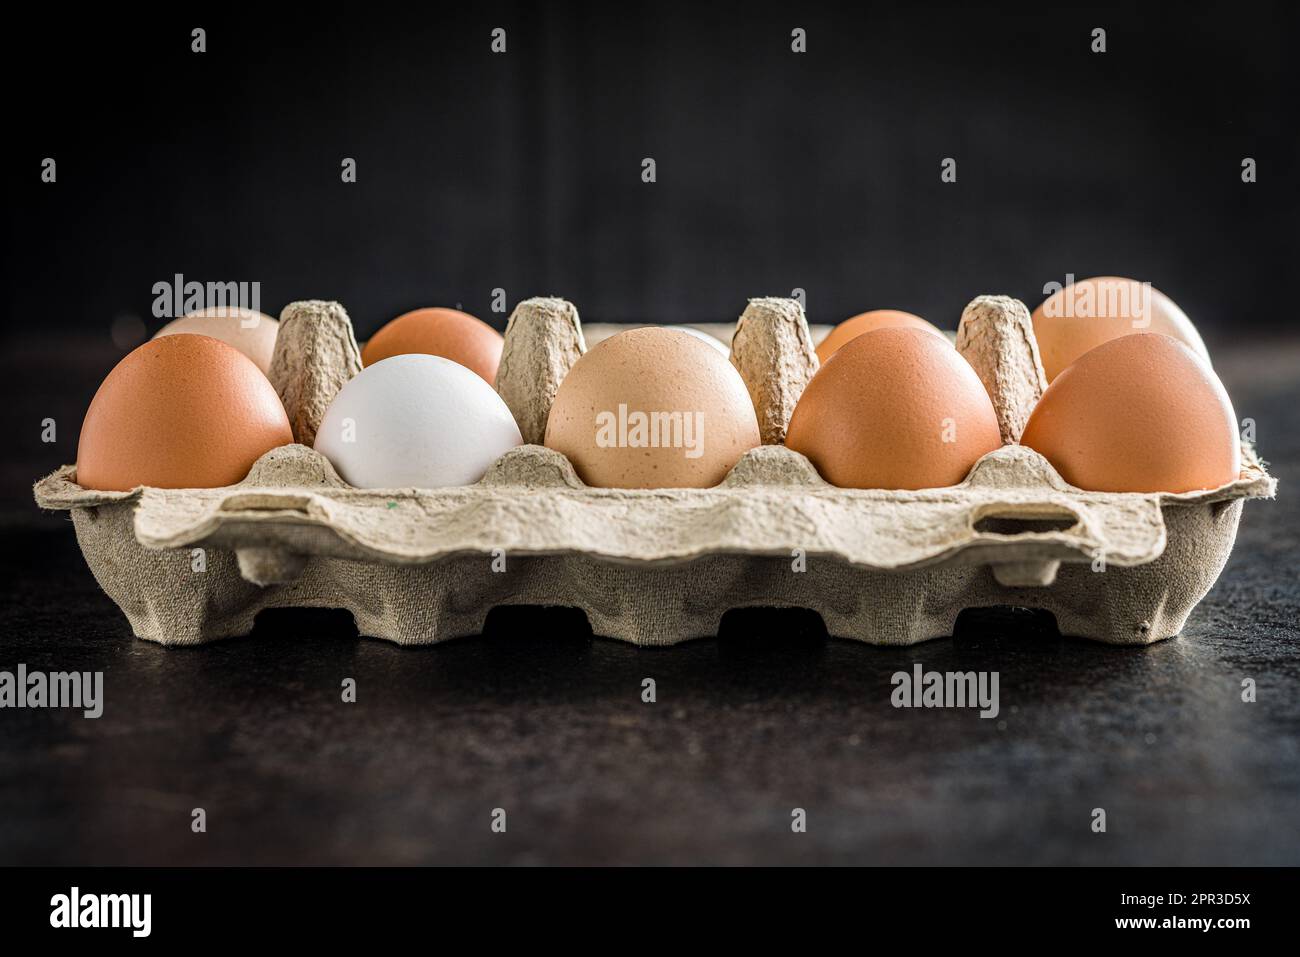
449 333
183 411
869 322
252 333
895 408
652 408
1089 312
1141 413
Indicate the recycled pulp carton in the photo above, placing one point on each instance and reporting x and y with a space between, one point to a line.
654 567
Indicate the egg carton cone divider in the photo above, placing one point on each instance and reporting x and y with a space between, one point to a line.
654 566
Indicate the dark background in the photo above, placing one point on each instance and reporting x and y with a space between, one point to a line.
775 170
522 171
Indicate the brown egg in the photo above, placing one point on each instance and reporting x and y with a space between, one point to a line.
1091 311
252 333
897 409
869 322
449 333
1141 413
182 411
652 408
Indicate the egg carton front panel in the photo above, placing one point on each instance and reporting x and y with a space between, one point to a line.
167 600
464 551
196 589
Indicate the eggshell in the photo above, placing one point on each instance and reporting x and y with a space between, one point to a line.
647 386
703 337
897 408
869 322
1141 413
252 333
182 411
449 333
415 421
1087 313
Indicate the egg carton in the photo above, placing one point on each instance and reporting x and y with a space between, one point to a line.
654 567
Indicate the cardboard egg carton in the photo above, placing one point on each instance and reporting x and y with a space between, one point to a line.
654 567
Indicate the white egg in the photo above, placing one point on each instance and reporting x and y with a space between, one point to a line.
415 421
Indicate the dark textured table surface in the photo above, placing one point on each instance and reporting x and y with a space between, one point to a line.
545 721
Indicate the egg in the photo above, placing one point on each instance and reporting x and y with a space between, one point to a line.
251 332
1087 313
652 408
415 421
868 322
897 408
1141 413
449 333
183 411
703 337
